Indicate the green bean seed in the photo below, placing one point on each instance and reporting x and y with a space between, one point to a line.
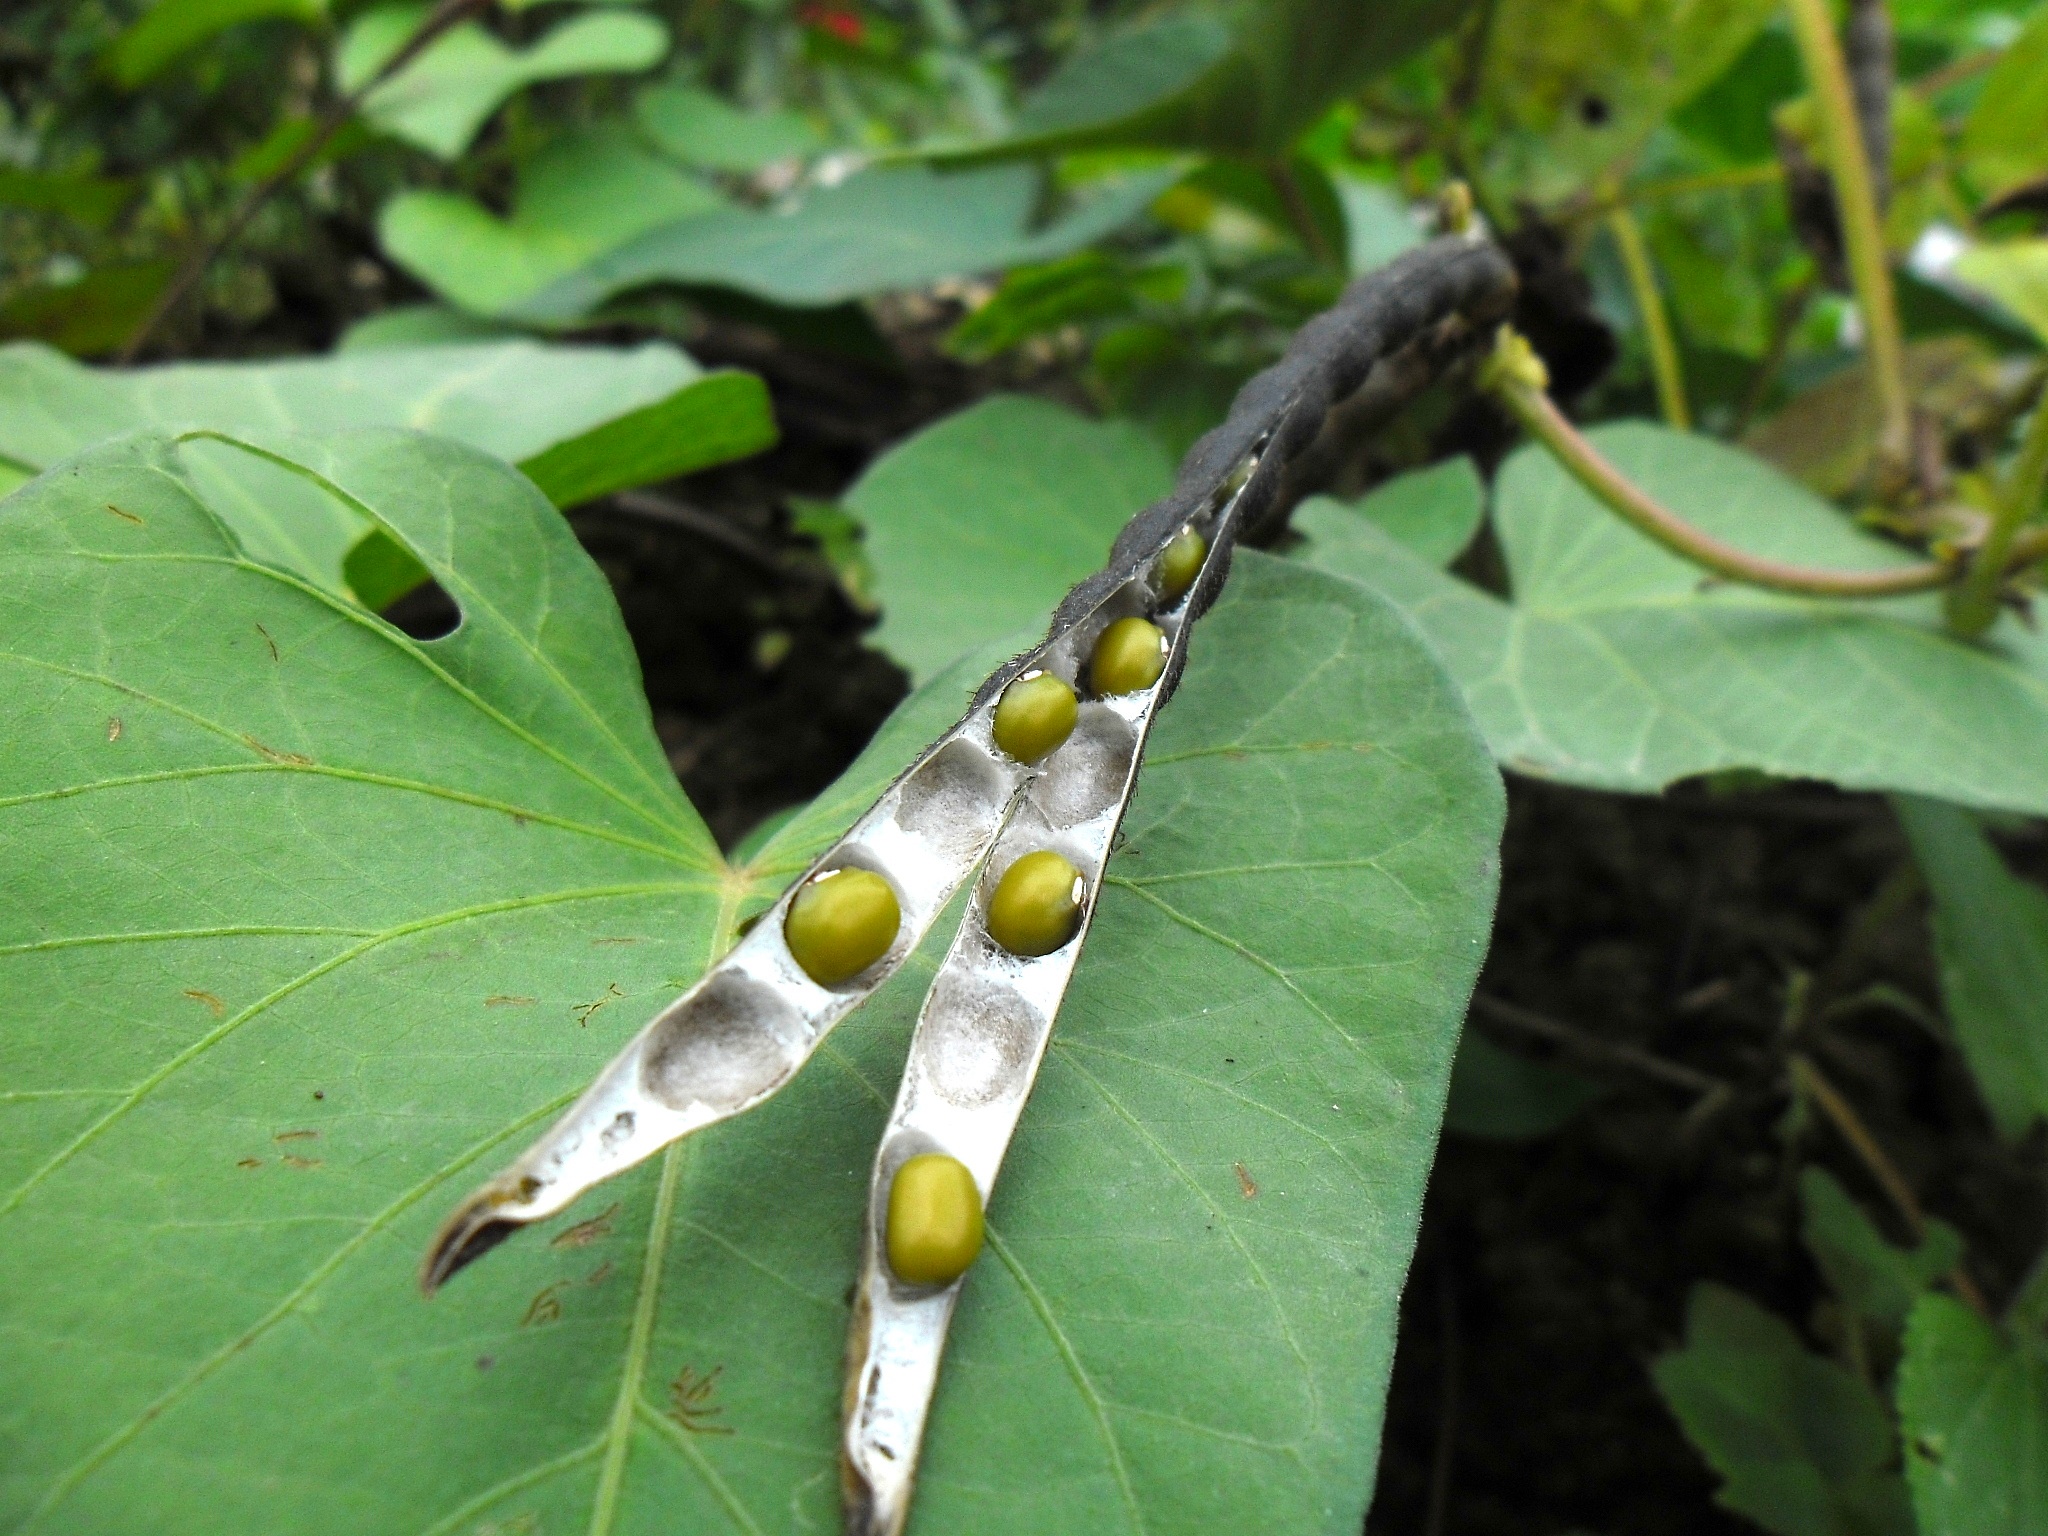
1036 905
934 1227
1035 714
841 923
1181 563
1130 655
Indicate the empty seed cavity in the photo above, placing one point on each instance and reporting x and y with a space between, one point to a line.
1035 714
841 922
977 1039
723 1047
935 1223
1089 776
1036 905
1129 657
953 800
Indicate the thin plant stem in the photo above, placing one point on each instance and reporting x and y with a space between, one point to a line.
437 21
1642 283
1973 601
1807 1079
1862 229
1734 179
1517 377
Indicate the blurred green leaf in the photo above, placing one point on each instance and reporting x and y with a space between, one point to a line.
1803 1447
699 128
443 97
1732 116
93 201
1991 940
1973 1405
1577 86
1618 667
1378 225
91 317
1433 512
422 325
881 230
979 524
2005 141
1872 1278
581 420
584 195
1034 300
1243 78
170 28
2016 274
726 415
1500 1096
843 543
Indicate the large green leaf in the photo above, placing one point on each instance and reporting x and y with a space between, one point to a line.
1242 78
1803 1447
443 97
1616 667
318 935
886 228
1973 1405
581 420
978 525
586 194
1577 86
1991 940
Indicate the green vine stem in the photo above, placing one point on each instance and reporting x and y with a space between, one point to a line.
1737 179
1862 230
1516 375
1973 601
1642 283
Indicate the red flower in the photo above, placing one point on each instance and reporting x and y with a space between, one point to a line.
843 25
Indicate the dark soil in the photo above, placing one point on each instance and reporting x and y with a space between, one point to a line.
1716 932
1551 1271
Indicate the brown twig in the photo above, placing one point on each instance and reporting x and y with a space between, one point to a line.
1579 1043
445 15
1807 1079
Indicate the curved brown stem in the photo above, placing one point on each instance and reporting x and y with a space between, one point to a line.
1516 377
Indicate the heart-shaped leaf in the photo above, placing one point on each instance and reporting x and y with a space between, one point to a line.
586 194
886 228
444 96
310 923
979 524
581 421
699 128
1618 667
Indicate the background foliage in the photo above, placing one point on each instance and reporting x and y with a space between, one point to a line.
540 404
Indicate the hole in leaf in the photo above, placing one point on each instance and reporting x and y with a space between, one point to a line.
427 612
